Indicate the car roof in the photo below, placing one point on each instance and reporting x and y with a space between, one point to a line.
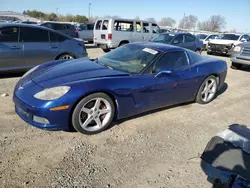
157 46
24 25
176 33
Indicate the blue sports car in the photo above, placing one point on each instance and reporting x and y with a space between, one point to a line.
89 94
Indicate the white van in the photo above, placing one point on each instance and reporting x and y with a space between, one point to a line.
112 33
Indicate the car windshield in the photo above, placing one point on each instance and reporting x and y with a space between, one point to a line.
166 38
129 58
230 37
201 36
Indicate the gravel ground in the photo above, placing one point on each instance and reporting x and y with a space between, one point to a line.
156 149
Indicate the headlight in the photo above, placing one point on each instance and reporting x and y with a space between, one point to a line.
237 48
52 93
31 70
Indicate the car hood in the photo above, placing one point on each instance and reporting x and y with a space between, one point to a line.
222 41
63 72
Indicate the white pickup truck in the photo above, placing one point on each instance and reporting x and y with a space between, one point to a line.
226 43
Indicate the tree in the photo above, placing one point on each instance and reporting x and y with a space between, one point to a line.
167 21
52 17
137 18
151 20
215 23
93 19
188 22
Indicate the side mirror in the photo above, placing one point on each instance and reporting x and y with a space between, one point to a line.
243 40
164 72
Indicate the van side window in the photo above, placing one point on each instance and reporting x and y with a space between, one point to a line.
155 28
105 25
145 28
123 26
138 27
98 25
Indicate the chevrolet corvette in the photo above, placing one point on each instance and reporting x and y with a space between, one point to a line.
88 95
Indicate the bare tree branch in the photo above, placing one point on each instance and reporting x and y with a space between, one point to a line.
188 22
215 23
167 21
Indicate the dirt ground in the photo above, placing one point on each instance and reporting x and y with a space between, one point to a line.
159 149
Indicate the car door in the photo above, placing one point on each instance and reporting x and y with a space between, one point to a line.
189 42
36 45
177 82
178 40
11 50
137 33
146 31
90 32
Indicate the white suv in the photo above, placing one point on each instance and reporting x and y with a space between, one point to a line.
226 43
112 33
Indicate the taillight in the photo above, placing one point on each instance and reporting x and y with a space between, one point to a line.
109 36
76 33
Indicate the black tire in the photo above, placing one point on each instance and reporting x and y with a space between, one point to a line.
236 66
123 43
199 94
79 106
106 50
209 53
66 56
198 51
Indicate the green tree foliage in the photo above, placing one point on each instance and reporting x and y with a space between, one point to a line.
54 17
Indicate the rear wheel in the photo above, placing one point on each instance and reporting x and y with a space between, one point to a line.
236 65
209 53
105 48
66 56
198 51
207 90
123 43
93 113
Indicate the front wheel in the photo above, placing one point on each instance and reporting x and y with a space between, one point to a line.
236 66
207 90
66 57
93 114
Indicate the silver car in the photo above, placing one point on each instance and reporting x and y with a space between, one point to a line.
23 46
86 32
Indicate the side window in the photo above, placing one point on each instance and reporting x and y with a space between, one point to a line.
145 27
172 60
98 25
90 27
189 38
247 37
138 27
155 28
54 37
9 34
123 26
178 39
104 25
59 26
34 35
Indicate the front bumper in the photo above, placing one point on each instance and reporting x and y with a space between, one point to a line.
241 60
220 49
58 120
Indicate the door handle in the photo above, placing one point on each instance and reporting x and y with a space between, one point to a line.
15 47
53 47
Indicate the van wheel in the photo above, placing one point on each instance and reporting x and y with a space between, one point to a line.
123 43
236 66
106 50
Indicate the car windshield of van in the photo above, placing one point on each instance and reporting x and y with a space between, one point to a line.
164 38
129 58
230 37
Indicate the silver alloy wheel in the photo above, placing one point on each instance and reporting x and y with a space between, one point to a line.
66 56
95 114
209 90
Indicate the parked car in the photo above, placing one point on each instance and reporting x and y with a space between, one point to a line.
65 28
208 38
240 55
164 30
185 40
28 22
112 33
23 46
201 36
86 31
225 43
129 80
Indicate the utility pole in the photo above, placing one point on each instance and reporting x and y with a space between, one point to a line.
57 11
89 10
184 21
